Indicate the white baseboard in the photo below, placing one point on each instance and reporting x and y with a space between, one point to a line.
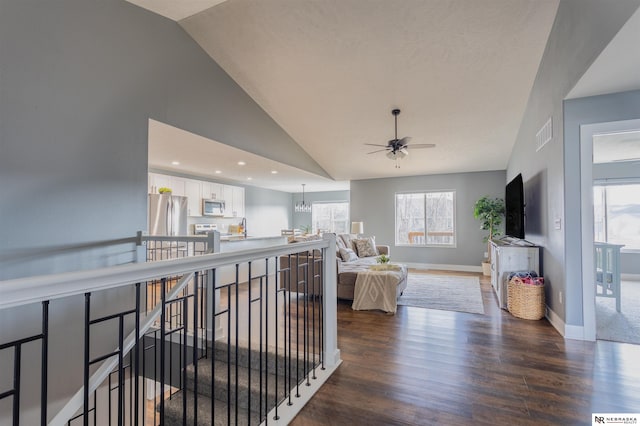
573 332
443 267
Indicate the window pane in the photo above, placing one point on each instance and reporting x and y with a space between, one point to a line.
599 225
440 216
623 215
330 217
410 218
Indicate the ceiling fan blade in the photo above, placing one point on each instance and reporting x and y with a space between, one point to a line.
422 145
404 140
375 144
379 150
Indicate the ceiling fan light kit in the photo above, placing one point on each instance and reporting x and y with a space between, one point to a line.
396 148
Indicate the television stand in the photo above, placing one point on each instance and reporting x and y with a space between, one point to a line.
509 255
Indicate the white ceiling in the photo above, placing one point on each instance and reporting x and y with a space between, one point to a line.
204 157
176 9
617 68
329 72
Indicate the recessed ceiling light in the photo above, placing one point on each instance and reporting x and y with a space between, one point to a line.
249 178
241 163
175 163
274 172
218 172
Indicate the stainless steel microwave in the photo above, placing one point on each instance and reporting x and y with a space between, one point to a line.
212 207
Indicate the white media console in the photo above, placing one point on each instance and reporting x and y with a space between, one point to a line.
509 255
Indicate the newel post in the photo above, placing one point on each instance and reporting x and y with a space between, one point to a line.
331 353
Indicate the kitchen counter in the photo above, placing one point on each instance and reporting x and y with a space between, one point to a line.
240 242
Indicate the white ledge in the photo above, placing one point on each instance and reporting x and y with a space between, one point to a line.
22 291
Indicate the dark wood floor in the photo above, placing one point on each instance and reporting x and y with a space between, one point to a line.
424 367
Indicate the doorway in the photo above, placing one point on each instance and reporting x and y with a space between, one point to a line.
610 187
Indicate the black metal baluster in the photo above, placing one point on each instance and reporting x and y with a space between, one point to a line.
162 347
195 348
183 362
136 361
266 339
16 383
249 318
87 316
298 324
120 371
214 315
229 353
321 312
313 313
44 372
309 273
237 284
276 417
289 403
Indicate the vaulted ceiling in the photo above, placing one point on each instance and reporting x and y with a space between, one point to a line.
329 73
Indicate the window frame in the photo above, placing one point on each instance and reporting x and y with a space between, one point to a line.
348 204
612 182
424 193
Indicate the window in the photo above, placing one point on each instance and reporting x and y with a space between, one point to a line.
426 218
330 217
616 213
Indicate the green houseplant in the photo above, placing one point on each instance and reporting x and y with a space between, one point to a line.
490 212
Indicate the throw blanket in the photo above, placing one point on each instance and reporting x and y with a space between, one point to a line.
376 290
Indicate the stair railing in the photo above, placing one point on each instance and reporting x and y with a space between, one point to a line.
181 272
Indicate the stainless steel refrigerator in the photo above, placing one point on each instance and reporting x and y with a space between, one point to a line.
167 214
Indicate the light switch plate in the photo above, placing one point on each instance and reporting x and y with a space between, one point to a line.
557 223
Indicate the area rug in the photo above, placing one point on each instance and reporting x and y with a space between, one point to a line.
444 292
623 326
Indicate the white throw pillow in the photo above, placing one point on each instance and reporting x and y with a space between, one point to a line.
348 255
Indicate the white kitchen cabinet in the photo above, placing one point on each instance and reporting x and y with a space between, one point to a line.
157 181
212 191
227 192
193 189
238 201
196 190
510 256
234 201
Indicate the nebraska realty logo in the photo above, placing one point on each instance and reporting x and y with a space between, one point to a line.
615 419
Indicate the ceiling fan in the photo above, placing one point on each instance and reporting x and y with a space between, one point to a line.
398 148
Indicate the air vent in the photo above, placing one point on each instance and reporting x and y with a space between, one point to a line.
544 135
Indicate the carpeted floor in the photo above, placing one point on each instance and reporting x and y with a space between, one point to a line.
444 292
621 326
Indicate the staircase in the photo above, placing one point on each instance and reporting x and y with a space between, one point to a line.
234 389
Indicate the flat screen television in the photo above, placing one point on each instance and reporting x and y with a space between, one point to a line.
514 208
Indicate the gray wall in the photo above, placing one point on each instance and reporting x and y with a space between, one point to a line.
304 219
597 109
268 212
581 30
373 202
78 82
76 91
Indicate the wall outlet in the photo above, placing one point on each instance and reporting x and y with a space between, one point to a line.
486 255
560 296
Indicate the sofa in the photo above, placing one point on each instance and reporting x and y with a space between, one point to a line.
353 255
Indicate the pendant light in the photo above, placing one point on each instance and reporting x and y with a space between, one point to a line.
302 207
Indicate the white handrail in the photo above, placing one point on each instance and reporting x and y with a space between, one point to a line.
22 291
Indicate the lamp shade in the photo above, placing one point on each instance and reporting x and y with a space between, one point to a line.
357 227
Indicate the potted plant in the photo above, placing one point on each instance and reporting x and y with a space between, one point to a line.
490 212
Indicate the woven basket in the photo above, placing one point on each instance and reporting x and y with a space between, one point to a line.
525 301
